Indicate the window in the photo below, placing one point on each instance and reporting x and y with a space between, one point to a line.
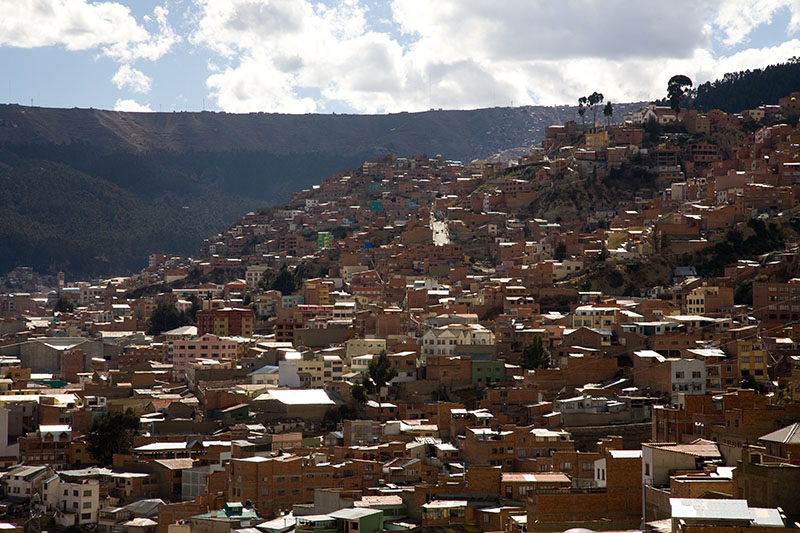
87 505
695 375
87 493
647 469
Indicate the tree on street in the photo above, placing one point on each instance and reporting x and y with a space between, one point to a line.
112 433
534 355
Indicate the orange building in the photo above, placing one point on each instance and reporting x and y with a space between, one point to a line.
226 322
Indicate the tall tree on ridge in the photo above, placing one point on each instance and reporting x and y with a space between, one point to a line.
582 101
675 90
594 99
608 111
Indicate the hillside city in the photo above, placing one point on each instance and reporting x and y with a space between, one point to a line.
603 333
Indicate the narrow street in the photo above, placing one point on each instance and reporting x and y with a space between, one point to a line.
441 235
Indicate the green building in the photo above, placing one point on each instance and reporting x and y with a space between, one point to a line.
234 514
324 240
358 520
485 372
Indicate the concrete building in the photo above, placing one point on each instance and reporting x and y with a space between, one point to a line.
185 351
74 503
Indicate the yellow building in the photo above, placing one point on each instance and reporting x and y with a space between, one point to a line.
312 373
317 291
597 141
364 347
595 317
226 322
755 114
752 359
79 453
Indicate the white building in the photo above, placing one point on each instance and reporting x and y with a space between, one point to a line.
687 376
73 503
266 375
23 481
444 340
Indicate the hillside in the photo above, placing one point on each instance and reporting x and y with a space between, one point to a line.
58 218
459 134
135 183
748 89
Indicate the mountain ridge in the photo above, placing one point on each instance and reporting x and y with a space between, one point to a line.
283 134
198 172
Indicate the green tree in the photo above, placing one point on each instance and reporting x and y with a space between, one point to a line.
743 293
594 99
358 393
380 373
284 282
560 252
748 382
675 90
582 101
615 278
337 414
608 111
166 317
197 305
112 433
64 305
534 355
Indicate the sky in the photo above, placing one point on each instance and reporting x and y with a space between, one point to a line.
373 56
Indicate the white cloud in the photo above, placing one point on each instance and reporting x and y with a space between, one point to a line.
74 24
257 86
737 18
298 56
280 49
309 56
525 30
108 27
753 58
129 78
153 47
131 106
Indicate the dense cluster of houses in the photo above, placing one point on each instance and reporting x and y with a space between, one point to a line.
506 396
